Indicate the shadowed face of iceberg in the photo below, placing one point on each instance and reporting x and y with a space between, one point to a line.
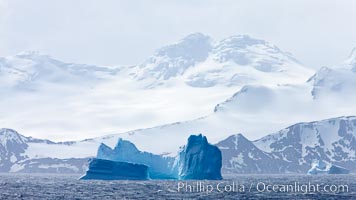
199 160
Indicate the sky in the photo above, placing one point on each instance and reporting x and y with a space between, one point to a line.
115 32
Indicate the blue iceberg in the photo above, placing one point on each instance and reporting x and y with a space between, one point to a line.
159 167
196 160
110 170
321 167
199 160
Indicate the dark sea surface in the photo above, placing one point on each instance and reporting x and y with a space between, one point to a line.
54 186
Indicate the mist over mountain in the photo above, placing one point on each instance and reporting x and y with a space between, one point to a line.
199 61
86 100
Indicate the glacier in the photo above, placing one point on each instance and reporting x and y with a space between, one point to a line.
322 167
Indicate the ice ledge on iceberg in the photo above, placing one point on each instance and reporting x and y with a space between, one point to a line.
110 170
321 167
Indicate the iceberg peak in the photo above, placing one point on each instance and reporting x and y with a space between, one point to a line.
197 139
125 145
199 160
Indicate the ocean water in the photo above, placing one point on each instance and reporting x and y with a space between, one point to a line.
54 186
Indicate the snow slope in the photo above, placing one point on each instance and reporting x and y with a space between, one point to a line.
67 101
29 70
254 110
199 61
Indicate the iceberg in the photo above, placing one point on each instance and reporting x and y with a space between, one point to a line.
110 170
199 160
159 167
195 161
321 167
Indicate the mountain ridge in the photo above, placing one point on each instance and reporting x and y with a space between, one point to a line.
100 96
290 150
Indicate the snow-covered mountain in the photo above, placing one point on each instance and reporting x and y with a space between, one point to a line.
293 149
339 80
272 90
329 92
329 82
187 78
290 150
16 155
331 140
241 156
173 60
254 111
199 61
11 147
28 70
258 109
196 60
